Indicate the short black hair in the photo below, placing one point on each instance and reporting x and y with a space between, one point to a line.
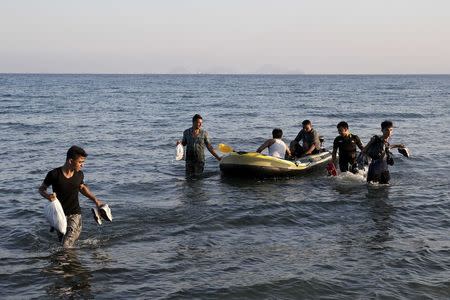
386 124
277 133
196 117
306 122
342 124
74 152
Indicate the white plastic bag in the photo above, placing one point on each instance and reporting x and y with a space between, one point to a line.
179 152
54 213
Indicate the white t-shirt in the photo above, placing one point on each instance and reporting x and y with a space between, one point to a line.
278 149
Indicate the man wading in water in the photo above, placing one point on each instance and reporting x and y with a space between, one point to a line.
378 150
195 139
346 142
66 182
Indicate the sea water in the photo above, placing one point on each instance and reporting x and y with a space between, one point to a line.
214 237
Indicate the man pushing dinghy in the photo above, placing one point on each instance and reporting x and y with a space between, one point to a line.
67 181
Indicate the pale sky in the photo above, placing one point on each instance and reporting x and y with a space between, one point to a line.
228 36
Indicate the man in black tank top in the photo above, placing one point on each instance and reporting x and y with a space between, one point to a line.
66 182
346 143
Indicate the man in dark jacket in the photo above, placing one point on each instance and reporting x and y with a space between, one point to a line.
378 150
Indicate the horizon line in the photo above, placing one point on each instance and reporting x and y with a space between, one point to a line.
230 74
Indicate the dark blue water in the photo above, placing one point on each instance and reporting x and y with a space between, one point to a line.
171 238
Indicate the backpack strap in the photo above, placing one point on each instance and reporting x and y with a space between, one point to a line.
386 151
378 140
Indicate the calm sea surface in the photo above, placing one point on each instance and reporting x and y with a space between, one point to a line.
223 238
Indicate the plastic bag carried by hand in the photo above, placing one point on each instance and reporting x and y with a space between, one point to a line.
54 213
179 152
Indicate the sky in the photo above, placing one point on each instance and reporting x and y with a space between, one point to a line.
228 36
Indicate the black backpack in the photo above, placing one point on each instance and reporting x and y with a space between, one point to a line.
377 148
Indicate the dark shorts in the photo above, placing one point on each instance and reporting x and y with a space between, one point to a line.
74 226
378 172
194 168
348 163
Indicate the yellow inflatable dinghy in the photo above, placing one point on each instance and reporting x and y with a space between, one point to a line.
259 165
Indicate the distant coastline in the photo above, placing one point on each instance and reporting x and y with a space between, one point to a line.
230 74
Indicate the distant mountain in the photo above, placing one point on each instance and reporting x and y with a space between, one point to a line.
272 69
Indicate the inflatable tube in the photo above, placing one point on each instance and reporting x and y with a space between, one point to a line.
255 164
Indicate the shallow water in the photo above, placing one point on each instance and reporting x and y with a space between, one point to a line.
216 237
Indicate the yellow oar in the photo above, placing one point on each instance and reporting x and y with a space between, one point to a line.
224 148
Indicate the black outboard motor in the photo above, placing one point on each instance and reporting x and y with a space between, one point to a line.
322 148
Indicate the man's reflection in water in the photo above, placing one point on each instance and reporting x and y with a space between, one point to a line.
70 279
381 211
